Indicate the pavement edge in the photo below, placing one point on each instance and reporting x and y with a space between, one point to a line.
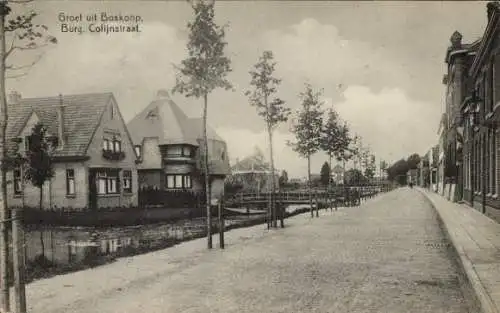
476 295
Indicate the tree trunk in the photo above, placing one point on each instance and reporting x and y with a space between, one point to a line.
309 187
4 232
273 180
42 243
329 193
207 175
221 221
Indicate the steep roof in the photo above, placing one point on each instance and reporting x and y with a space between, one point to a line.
82 114
164 119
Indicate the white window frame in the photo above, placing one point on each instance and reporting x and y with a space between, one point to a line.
138 151
117 145
107 184
127 181
70 182
18 181
179 181
105 144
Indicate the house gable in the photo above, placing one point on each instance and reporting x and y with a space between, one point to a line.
111 126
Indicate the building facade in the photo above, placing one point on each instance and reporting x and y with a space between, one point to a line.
94 162
480 112
459 58
169 146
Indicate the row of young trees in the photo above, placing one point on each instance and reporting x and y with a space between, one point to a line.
206 69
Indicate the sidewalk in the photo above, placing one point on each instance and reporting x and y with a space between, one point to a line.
476 241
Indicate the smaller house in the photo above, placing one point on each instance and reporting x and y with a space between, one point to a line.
94 161
170 146
253 173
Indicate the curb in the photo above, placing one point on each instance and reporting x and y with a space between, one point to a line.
478 298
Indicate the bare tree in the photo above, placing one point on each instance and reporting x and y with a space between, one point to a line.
204 70
272 111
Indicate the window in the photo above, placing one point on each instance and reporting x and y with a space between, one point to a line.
18 183
27 142
101 183
70 181
117 146
105 145
179 182
187 181
127 181
138 151
112 111
186 151
170 181
107 182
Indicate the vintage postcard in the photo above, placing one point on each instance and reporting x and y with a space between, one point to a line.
249 156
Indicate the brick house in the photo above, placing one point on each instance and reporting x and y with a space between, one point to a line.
169 145
459 58
481 113
94 161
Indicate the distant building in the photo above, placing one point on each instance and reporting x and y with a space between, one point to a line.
170 145
253 173
338 174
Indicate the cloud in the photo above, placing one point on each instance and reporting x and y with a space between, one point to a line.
317 52
391 122
133 66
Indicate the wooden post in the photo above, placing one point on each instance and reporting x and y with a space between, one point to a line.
18 261
221 221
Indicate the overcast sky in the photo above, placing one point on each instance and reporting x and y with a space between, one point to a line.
380 64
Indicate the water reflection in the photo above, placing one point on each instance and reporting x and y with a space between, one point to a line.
64 245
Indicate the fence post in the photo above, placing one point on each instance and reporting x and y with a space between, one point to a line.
18 261
221 221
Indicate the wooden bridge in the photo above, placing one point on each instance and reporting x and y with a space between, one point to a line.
300 197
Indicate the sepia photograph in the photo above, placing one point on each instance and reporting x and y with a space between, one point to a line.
195 156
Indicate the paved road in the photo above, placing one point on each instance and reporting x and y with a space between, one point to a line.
388 255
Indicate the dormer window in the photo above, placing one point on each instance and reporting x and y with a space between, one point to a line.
152 114
138 151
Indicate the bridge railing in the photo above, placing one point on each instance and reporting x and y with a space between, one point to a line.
334 193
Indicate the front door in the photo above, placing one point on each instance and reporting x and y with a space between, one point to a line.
92 189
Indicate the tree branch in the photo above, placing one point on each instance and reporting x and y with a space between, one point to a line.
20 1
16 76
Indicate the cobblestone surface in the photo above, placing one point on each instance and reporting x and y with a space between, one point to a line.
389 255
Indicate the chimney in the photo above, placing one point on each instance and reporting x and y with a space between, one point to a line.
14 97
60 121
162 94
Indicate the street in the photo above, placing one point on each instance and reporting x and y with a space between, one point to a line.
388 255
